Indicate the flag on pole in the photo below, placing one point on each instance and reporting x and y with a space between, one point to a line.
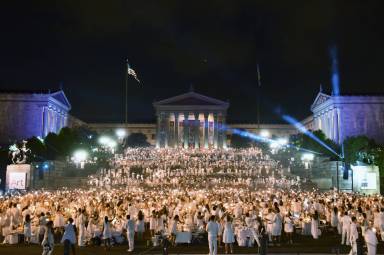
258 76
132 72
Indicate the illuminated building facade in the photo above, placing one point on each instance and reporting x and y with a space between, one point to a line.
343 116
191 120
24 114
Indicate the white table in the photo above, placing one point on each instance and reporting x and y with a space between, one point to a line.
183 237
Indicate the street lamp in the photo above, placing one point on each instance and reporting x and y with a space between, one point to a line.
79 157
121 133
265 133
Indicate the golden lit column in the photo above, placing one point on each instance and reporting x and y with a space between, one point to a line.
197 130
176 138
186 130
215 130
206 135
158 131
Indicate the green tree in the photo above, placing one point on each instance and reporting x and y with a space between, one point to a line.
359 148
137 140
52 144
303 141
37 148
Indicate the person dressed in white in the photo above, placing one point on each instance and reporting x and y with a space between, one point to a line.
315 225
48 241
334 219
107 233
69 237
276 226
353 235
27 229
288 226
213 229
371 241
381 223
130 227
80 224
346 227
228 235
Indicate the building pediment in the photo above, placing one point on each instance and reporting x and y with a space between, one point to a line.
61 98
191 99
320 99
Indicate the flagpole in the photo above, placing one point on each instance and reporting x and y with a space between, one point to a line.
126 91
258 96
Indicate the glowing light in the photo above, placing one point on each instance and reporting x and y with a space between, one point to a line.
45 166
282 141
121 133
303 130
335 78
104 140
307 157
80 156
265 133
274 145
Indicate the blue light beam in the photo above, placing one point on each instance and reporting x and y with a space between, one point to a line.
335 77
304 131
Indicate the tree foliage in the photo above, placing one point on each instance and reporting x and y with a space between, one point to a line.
136 140
303 141
360 148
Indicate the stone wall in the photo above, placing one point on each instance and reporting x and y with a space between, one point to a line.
20 118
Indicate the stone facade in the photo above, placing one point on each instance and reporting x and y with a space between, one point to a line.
191 120
27 114
204 115
340 117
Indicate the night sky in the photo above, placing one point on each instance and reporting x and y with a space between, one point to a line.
213 45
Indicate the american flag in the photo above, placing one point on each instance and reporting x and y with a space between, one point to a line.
132 72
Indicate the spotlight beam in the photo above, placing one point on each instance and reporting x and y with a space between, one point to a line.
304 131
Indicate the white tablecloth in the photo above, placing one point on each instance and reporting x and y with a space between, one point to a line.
183 237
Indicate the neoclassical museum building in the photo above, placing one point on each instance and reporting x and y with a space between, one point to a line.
191 120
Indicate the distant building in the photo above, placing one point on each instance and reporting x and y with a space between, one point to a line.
205 127
24 114
344 116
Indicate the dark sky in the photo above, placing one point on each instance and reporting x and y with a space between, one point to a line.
214 45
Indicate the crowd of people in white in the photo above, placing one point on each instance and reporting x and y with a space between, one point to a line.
226 196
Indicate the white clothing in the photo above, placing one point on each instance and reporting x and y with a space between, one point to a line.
315 228
59 221
27 229
276 225
213 230
228 235
107 233
140 226
81 227
371 240
69 234
288 225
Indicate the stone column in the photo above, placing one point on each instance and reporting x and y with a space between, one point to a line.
176 138
45 122
158 131
166 129
186 130
197 130
206 130
223 132
215 131
335 126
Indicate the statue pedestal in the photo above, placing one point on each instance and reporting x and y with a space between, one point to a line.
18 177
